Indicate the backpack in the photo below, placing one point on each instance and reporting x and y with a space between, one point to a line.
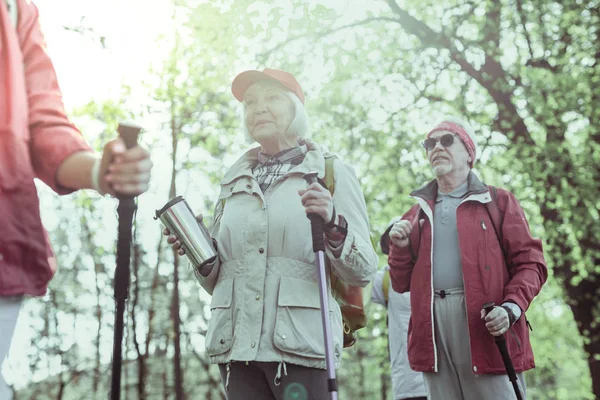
385 285
348 297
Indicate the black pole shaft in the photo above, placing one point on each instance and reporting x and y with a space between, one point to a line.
125 210
117 340
510 370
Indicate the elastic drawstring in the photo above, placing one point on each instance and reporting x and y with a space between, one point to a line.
228 367
277 380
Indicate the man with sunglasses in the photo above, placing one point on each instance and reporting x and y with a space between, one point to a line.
447 253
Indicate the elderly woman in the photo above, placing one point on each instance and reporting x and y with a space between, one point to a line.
265 331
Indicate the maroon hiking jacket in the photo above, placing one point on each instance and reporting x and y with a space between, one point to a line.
35 138
485 274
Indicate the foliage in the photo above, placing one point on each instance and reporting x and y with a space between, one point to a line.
377 75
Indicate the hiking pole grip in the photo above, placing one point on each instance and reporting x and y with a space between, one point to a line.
317 225
129 132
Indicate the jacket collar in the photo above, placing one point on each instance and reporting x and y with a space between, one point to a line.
430 190
313 161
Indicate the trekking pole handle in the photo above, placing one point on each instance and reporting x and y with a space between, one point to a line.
317 225
129 132
488 307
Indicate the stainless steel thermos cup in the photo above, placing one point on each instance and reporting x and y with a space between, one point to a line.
178 217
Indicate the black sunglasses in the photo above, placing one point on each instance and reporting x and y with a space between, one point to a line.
446 141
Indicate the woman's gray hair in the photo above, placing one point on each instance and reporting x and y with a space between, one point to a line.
299 127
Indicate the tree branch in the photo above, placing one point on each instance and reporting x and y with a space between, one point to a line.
322 34
524 24
491 76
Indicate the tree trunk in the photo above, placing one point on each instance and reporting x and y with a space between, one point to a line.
177 370
141 356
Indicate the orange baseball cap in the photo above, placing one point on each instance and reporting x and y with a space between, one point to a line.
247 78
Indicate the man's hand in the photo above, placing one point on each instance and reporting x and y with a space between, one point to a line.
317 200
497 321
124 171
400 232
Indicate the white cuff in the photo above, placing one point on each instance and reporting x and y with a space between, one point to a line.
95 178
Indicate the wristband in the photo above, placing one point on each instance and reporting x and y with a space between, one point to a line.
95 178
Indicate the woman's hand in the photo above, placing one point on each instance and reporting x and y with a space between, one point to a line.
124 171
174 240
317 200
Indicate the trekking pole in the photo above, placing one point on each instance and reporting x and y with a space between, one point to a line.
508 365
126 209
317 228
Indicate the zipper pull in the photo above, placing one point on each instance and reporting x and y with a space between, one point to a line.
483 225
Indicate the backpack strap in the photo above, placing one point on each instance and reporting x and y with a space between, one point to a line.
497 217
329 181
329 174
385 285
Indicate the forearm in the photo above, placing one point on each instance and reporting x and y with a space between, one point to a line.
401 267
524 285
75 172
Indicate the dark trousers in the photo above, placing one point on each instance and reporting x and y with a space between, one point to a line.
257 380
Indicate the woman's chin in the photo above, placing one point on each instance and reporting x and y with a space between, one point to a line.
264 135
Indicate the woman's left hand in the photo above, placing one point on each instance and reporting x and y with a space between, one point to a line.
317 200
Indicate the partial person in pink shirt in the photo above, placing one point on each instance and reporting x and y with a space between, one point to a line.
37 140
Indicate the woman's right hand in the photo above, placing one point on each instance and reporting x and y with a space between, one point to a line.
174 240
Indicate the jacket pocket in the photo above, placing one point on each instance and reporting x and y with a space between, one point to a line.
298 327
219 336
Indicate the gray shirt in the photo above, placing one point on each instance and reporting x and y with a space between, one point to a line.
447 265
